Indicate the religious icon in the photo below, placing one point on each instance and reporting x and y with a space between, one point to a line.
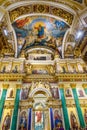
68 92
6 122
10 93
55 93
85 115
40 30
58 120
23 121
38 120
73 121
80 93
24 93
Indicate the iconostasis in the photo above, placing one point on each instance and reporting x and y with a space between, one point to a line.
40 109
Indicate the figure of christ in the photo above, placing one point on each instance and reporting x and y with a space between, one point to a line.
39 116
40 29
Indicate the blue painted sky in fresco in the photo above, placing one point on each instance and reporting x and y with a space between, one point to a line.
52 28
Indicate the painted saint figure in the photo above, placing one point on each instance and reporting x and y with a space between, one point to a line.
68 93
6 123
39 116
58 120
55 93
85 116
11 94
24 93
81 94
23 121
40 29
73 120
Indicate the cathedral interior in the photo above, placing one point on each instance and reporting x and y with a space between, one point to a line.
43 64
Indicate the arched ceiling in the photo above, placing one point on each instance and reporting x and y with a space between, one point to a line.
51 24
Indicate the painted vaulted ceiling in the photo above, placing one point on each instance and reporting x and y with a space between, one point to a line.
56 25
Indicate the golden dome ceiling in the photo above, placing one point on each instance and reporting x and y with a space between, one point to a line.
51 24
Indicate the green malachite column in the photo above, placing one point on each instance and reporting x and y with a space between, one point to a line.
64 107
79 112
85 88
16 106
2 101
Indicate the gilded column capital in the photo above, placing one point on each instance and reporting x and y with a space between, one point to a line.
5 86
18 86
84 86
61 85
73 85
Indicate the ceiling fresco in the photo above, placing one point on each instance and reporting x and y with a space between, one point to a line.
39 31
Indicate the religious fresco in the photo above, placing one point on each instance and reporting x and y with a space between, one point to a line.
84 111
39 31
58 121
6 120
23 121
39 117
80 92
10 93
68 92
24 93
39 71
74 121
55 93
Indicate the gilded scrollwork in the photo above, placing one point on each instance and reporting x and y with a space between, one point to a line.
28 68
39 8
77 52
51 69
40 84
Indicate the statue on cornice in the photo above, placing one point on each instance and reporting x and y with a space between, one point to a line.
5 47
51 69
28 68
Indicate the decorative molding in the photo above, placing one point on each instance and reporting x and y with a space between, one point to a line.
5 86
61 85
18 86
11 77
84 86
73 85
42 9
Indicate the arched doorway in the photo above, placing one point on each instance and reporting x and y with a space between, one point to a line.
40 111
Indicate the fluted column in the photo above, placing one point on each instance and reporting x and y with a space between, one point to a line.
16 106
81 119
64 107
2 101
85 88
